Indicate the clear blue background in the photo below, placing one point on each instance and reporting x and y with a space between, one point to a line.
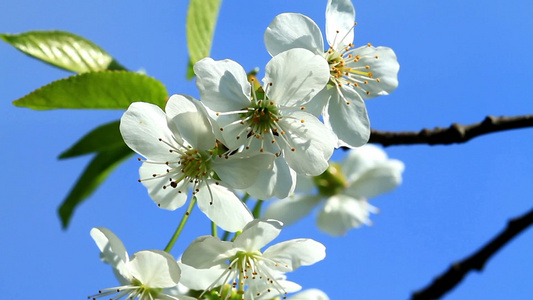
460 61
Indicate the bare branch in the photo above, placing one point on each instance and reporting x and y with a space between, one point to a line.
447 281
456 133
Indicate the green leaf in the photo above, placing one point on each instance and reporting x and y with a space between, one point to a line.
190 71
96 90
64 50
201 20
95 173
100 139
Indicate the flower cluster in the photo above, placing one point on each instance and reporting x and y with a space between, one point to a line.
244 138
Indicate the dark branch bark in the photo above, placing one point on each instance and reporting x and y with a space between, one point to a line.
447 281
456 133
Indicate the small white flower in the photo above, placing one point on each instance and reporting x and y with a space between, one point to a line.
144 276
355 73
365 173
181 154
273 119
254 273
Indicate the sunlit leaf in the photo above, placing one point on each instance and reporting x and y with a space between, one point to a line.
96 90
102 138
95 173
64 50
201 20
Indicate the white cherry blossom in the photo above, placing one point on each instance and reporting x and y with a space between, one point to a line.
274 118
356 74
142 276
255 274
182 154
345 188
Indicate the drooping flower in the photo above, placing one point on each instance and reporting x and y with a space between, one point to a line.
182 154
144 276
252 272
355 74
346 187
273 118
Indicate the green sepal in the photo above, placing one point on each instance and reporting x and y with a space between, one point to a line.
96 90
63 50
190 70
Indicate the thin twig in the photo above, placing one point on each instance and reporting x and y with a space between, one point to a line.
448 280
456 133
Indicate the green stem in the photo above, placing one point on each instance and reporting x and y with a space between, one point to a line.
213 229
225 237
257 209
245 197
181 225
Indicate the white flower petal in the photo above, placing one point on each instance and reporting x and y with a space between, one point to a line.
189 118
223 84
142 125
206 252
256 234
278 182
341 213
297 75
200 279
292 209
312 141
241 170
377 180
357 161
232 129
222 206
310 294
291 30
295 253
167 198
304 184
262 289
112 249
348 121
385 68
340 18
155 268
319 101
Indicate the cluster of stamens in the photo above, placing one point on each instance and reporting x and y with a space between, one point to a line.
128 292
190 168
260 121
246 266
349 68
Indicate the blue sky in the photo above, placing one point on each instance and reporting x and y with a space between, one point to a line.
460 61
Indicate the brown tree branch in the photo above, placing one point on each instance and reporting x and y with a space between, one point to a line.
456 133
447 281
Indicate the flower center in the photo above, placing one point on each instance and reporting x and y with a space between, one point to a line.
331 182
250 270
136 290
347 67
260 121
191 167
